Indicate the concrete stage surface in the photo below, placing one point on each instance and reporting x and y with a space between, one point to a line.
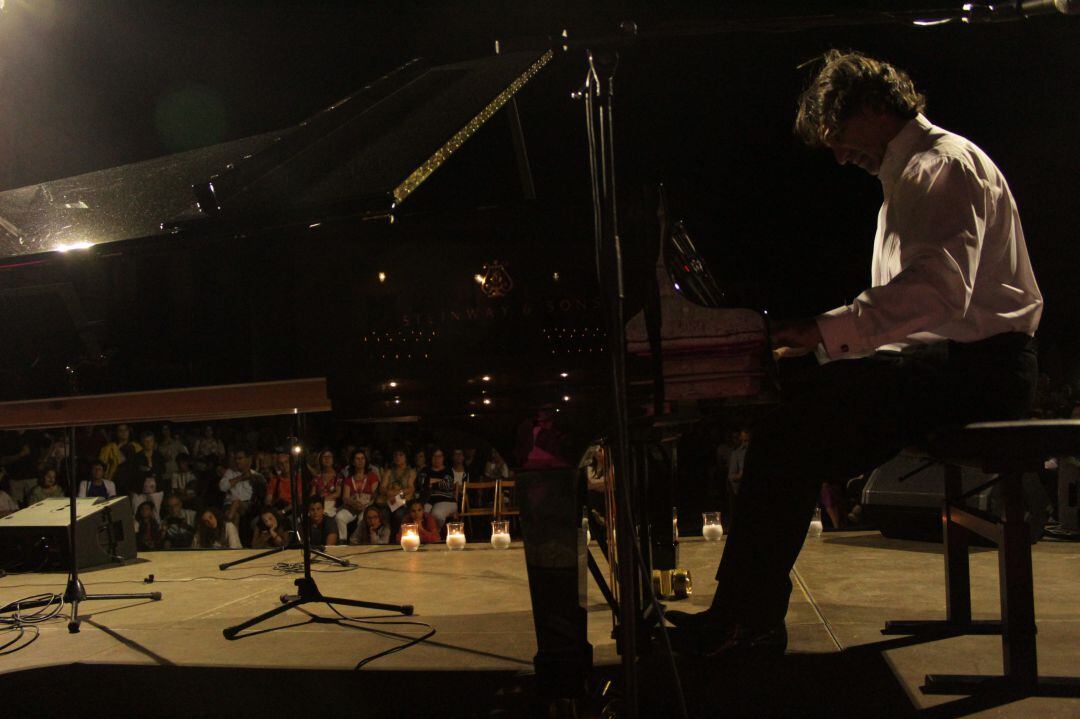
170 656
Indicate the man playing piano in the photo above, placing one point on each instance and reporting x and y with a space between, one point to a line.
944 336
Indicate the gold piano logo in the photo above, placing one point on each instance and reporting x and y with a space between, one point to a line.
495 281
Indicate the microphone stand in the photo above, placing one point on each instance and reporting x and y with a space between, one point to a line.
307 591
75 592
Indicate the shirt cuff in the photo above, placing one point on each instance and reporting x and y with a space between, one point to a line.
838 333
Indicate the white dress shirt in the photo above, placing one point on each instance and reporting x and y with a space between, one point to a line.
950 260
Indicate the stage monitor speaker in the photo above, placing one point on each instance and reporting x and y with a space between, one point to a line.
904 501
36 538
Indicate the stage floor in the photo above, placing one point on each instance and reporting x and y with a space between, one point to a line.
846 585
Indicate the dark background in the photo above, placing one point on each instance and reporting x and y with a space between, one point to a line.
91 84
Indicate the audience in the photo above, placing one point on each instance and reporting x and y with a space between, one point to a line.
357 491
374 528
149 534
178 523
117 453
214 532
397 487
212 497
426 526
270 531
323 530
97 485
443 488
47 488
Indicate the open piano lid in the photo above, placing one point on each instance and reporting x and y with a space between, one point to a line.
363 155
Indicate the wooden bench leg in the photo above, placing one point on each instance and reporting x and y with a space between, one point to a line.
955 540
1017 593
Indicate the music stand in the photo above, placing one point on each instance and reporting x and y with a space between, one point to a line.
307 591
75 592
294 540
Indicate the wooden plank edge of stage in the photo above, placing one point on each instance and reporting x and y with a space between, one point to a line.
189 404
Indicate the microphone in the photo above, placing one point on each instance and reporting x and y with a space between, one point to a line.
1031 8
980 12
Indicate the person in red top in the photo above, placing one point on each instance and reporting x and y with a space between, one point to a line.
426 526
278 486
358 489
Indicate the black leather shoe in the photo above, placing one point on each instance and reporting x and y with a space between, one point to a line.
732 642
692 620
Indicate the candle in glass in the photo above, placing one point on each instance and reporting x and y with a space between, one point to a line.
410 539
455 535
711 527
500 533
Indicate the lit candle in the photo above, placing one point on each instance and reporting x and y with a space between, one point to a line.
711 528
410 540
455 535
500 534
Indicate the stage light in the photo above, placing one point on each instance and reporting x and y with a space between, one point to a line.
479 279
297 449
382 277
393 383
564 375
486 378
487 400
566 398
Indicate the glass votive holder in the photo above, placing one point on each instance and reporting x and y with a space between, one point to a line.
711 528
500 533
455 535
410 537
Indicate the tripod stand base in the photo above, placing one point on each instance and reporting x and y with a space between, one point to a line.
308 593
75 593
294 543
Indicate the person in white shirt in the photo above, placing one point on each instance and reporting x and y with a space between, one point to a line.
943 336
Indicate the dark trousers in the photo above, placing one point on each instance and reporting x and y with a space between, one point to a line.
849 418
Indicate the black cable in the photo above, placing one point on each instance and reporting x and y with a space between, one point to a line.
379 622
20 623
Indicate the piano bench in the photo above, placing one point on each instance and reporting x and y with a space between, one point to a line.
1008 449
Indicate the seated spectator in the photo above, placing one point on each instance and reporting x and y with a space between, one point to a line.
183 482
495 467
357 491
397 487
147 463
213 532
208 449
374 528
118 453
270 530
8 505
239 486
47 488
323 527
97 485
150 493
178 523
443 489
171 448
149 534
278 484
326 482
426 526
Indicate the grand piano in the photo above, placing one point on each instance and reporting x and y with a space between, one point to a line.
373 261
